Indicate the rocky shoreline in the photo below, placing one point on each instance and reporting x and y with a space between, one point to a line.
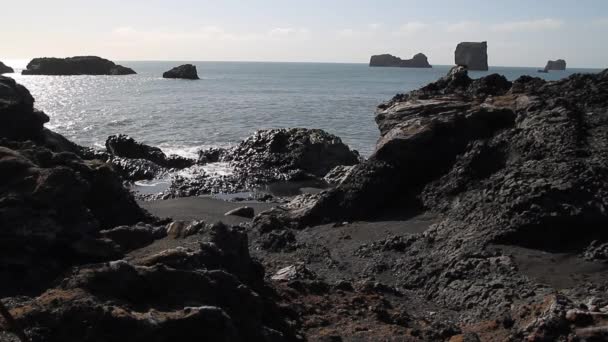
436 236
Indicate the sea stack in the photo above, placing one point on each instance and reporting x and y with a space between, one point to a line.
5 69
559 64
418 61
186 71
80 65
472 55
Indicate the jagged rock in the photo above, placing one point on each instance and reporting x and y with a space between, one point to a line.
53 203
292 152
246 212
5 69
522 163
338 174
220 297
472 55
133 237
559 64
418 61
186 71
80 65
126 147
212 155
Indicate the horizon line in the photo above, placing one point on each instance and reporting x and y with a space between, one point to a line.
292 62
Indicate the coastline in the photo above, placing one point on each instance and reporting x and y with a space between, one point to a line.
442 233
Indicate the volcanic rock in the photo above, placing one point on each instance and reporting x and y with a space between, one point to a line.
247 212
4 69
80 65
186 71
472 55
559 64
53 202
418 61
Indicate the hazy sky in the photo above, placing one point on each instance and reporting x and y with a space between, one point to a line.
519 32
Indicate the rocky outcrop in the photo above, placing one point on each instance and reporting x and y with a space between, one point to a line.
5 69
214 291
472 55
137 161
81 65
75 250
186 71
268 156
559 64
418 61
53 203
517 164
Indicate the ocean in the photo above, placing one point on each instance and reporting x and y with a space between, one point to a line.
231 101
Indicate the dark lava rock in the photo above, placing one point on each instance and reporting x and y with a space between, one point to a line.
209 293
137 161
53 203
136 236
292 151
559 64
80 65
247 212
186 71
266 157
418 61
472 55
4 69
521 164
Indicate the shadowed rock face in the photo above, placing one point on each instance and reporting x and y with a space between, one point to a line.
472 55
418 61
5 69
81 65
521 163
52 202
559 64
186 71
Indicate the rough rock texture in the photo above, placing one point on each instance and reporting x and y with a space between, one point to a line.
137 161
186 71
5 69
52 202
81 65
212 292
268 156
418 61
472 55
559 64
520 165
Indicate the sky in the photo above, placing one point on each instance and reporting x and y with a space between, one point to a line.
519 33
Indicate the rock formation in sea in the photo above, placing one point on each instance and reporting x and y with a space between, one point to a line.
559 64
418 61
269 156
67 228
186 71
80 65
5 69
506 169
472 55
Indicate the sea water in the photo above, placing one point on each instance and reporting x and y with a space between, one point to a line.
231 101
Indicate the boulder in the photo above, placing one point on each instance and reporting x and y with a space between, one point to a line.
211 292
293 150
5 69
472 55
418 61
53 202
126 147
80 65
186 71
246 212
559 64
